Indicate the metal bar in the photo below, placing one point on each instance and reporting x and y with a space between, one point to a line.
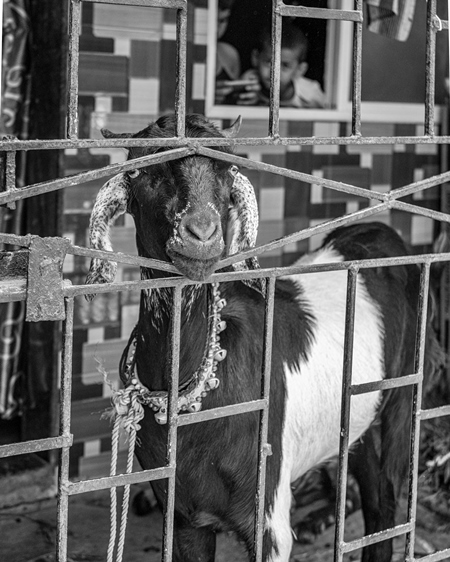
430 67
94 484
171 4
420 185
433 413
260 273
8 145
222 412
377 537
121 258
436 556
171 451
352 279
321 13
264 449
385 384
274 102
357 73
294 174
10 173
69 181
418 210
416 404
64 430
35 446
180 90
326 226
74 44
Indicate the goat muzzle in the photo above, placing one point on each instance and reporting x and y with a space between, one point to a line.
197 243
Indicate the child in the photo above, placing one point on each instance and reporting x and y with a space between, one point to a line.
228 63
295 89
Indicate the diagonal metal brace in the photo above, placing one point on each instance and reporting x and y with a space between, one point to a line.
45 299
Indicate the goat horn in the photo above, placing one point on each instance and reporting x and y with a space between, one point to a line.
111 202
244 220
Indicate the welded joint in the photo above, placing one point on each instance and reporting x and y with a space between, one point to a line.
45 295
267 449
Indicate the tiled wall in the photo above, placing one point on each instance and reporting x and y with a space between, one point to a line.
127 78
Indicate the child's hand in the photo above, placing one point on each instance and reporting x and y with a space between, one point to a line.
222 91
249 96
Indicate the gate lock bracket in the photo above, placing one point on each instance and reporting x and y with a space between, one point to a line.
45 298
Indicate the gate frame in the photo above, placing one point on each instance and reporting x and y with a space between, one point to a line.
187 146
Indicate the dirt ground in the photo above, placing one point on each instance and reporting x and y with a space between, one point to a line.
27 534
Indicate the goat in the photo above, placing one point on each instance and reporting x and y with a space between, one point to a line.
192 212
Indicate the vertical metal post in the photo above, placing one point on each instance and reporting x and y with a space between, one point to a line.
65 406
274 104
416 407
11 175
430 68
357 73
74 40
172 417
352 278
263 446
180 92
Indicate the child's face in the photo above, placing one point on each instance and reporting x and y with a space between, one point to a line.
289 66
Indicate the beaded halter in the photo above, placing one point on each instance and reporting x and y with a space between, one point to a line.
202 381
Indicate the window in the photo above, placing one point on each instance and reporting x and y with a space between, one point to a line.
239 56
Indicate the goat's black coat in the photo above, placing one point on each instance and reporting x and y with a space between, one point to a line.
217 460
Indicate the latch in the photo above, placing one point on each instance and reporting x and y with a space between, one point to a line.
45 298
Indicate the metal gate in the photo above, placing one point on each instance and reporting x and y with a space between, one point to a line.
57 304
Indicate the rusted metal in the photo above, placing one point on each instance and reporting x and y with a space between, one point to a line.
37 446
264 447
321 13
376 537
171 450
357 74
10 173
274 100
181 147
419 358
430 67
64 431
180 91
95 484
53 185
57 144
45 299
352 277
74 55
221 412
176 4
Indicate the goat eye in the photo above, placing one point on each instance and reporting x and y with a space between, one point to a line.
133 173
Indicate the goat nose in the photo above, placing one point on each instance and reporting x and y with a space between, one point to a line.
201 228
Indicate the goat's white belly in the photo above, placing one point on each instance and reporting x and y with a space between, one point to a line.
312 420
311 425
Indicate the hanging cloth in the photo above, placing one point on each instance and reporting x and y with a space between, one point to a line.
13 121
391 18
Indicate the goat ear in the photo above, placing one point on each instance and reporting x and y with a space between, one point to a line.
110 135
243 226
234 129
111 202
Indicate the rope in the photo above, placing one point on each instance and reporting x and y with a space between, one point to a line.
128 412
